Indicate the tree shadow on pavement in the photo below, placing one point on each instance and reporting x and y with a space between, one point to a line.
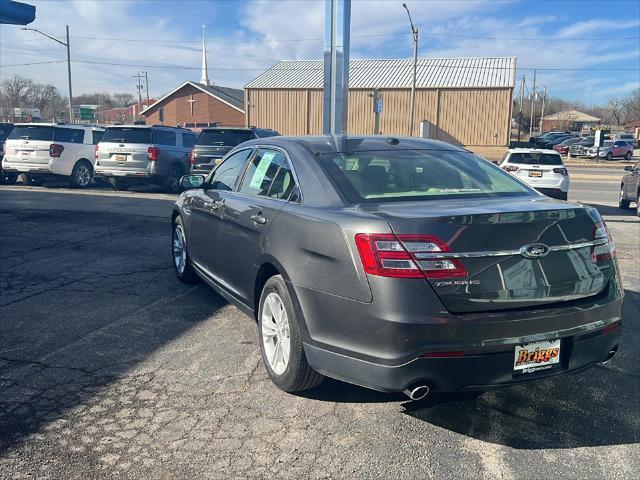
598 407
85 300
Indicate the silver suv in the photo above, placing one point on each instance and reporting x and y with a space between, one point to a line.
141 154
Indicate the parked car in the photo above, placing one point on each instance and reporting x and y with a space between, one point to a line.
612 149
399 264
580 149
626 137
140 154
563 148
44 150
545 136
555 140
8 177
540 169
215 143
630 187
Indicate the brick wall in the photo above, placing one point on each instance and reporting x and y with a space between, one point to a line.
177 109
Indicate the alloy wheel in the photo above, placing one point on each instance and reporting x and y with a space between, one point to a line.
275 333
179 249
83 176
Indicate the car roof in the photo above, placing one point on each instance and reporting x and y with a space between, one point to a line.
150 126
322 144
533 150
52 124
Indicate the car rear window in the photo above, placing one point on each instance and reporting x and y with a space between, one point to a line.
534 158
127 135
32 132
419 175
5 130
223 138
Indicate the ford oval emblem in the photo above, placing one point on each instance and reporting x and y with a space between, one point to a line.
534 250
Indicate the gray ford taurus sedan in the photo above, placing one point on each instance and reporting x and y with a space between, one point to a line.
399 264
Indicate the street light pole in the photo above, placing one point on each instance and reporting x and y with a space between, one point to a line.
414 32
67 45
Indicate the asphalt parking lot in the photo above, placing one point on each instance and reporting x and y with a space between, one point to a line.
111 368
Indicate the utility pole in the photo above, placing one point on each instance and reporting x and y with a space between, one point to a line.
146 82
67 45
544 99
533 104
139 77
522 87
414 33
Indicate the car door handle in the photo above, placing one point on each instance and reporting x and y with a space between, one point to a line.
258 219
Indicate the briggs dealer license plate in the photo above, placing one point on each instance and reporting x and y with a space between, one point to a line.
536 356
121 158
535 173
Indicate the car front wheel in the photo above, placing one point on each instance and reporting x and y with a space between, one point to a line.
638 204
628 156
622 202
281 340
609 157
181 261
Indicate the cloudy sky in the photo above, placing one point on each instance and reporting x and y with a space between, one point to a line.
583 50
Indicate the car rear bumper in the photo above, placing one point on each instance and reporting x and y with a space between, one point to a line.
17 167
476 371
133 173
382 345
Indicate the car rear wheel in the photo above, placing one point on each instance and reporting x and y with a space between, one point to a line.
173 180
281 340
32 180
181 262
118 184
81 174
8 178
622 202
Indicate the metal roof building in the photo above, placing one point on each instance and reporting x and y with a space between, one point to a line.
466 100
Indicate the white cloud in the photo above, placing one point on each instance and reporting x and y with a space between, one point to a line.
597 27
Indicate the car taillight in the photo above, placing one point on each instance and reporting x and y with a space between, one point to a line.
192 158
55 150
561 171
406 256
95 152
510 168
606 251
153 153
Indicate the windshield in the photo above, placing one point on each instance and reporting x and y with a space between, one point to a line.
127 135
419 175
533 158
223 138
32 132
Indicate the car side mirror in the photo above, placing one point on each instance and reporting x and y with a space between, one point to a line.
189 182
628 168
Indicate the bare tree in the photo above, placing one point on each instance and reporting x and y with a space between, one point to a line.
16 91
121 100
615 107
631 105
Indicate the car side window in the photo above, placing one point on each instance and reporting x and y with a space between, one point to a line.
164 137
97 135
188 140
68 135
283 185
226 175
261 172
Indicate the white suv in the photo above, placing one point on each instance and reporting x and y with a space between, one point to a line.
41 150
540 169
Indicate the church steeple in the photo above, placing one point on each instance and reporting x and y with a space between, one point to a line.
204 76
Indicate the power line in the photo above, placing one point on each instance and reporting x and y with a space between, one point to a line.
33 63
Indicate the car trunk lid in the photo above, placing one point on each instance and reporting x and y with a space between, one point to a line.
514 252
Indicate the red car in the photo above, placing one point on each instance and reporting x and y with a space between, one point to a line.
563 148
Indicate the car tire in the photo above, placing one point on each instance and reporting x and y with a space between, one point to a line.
622 202
609 157
8 178
81 174
32 180
172 184
118 184
628 156
292 374
181 260
638 204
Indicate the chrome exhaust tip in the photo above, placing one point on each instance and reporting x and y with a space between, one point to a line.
418 392
611 354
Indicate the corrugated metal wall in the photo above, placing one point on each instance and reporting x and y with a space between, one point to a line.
464 116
